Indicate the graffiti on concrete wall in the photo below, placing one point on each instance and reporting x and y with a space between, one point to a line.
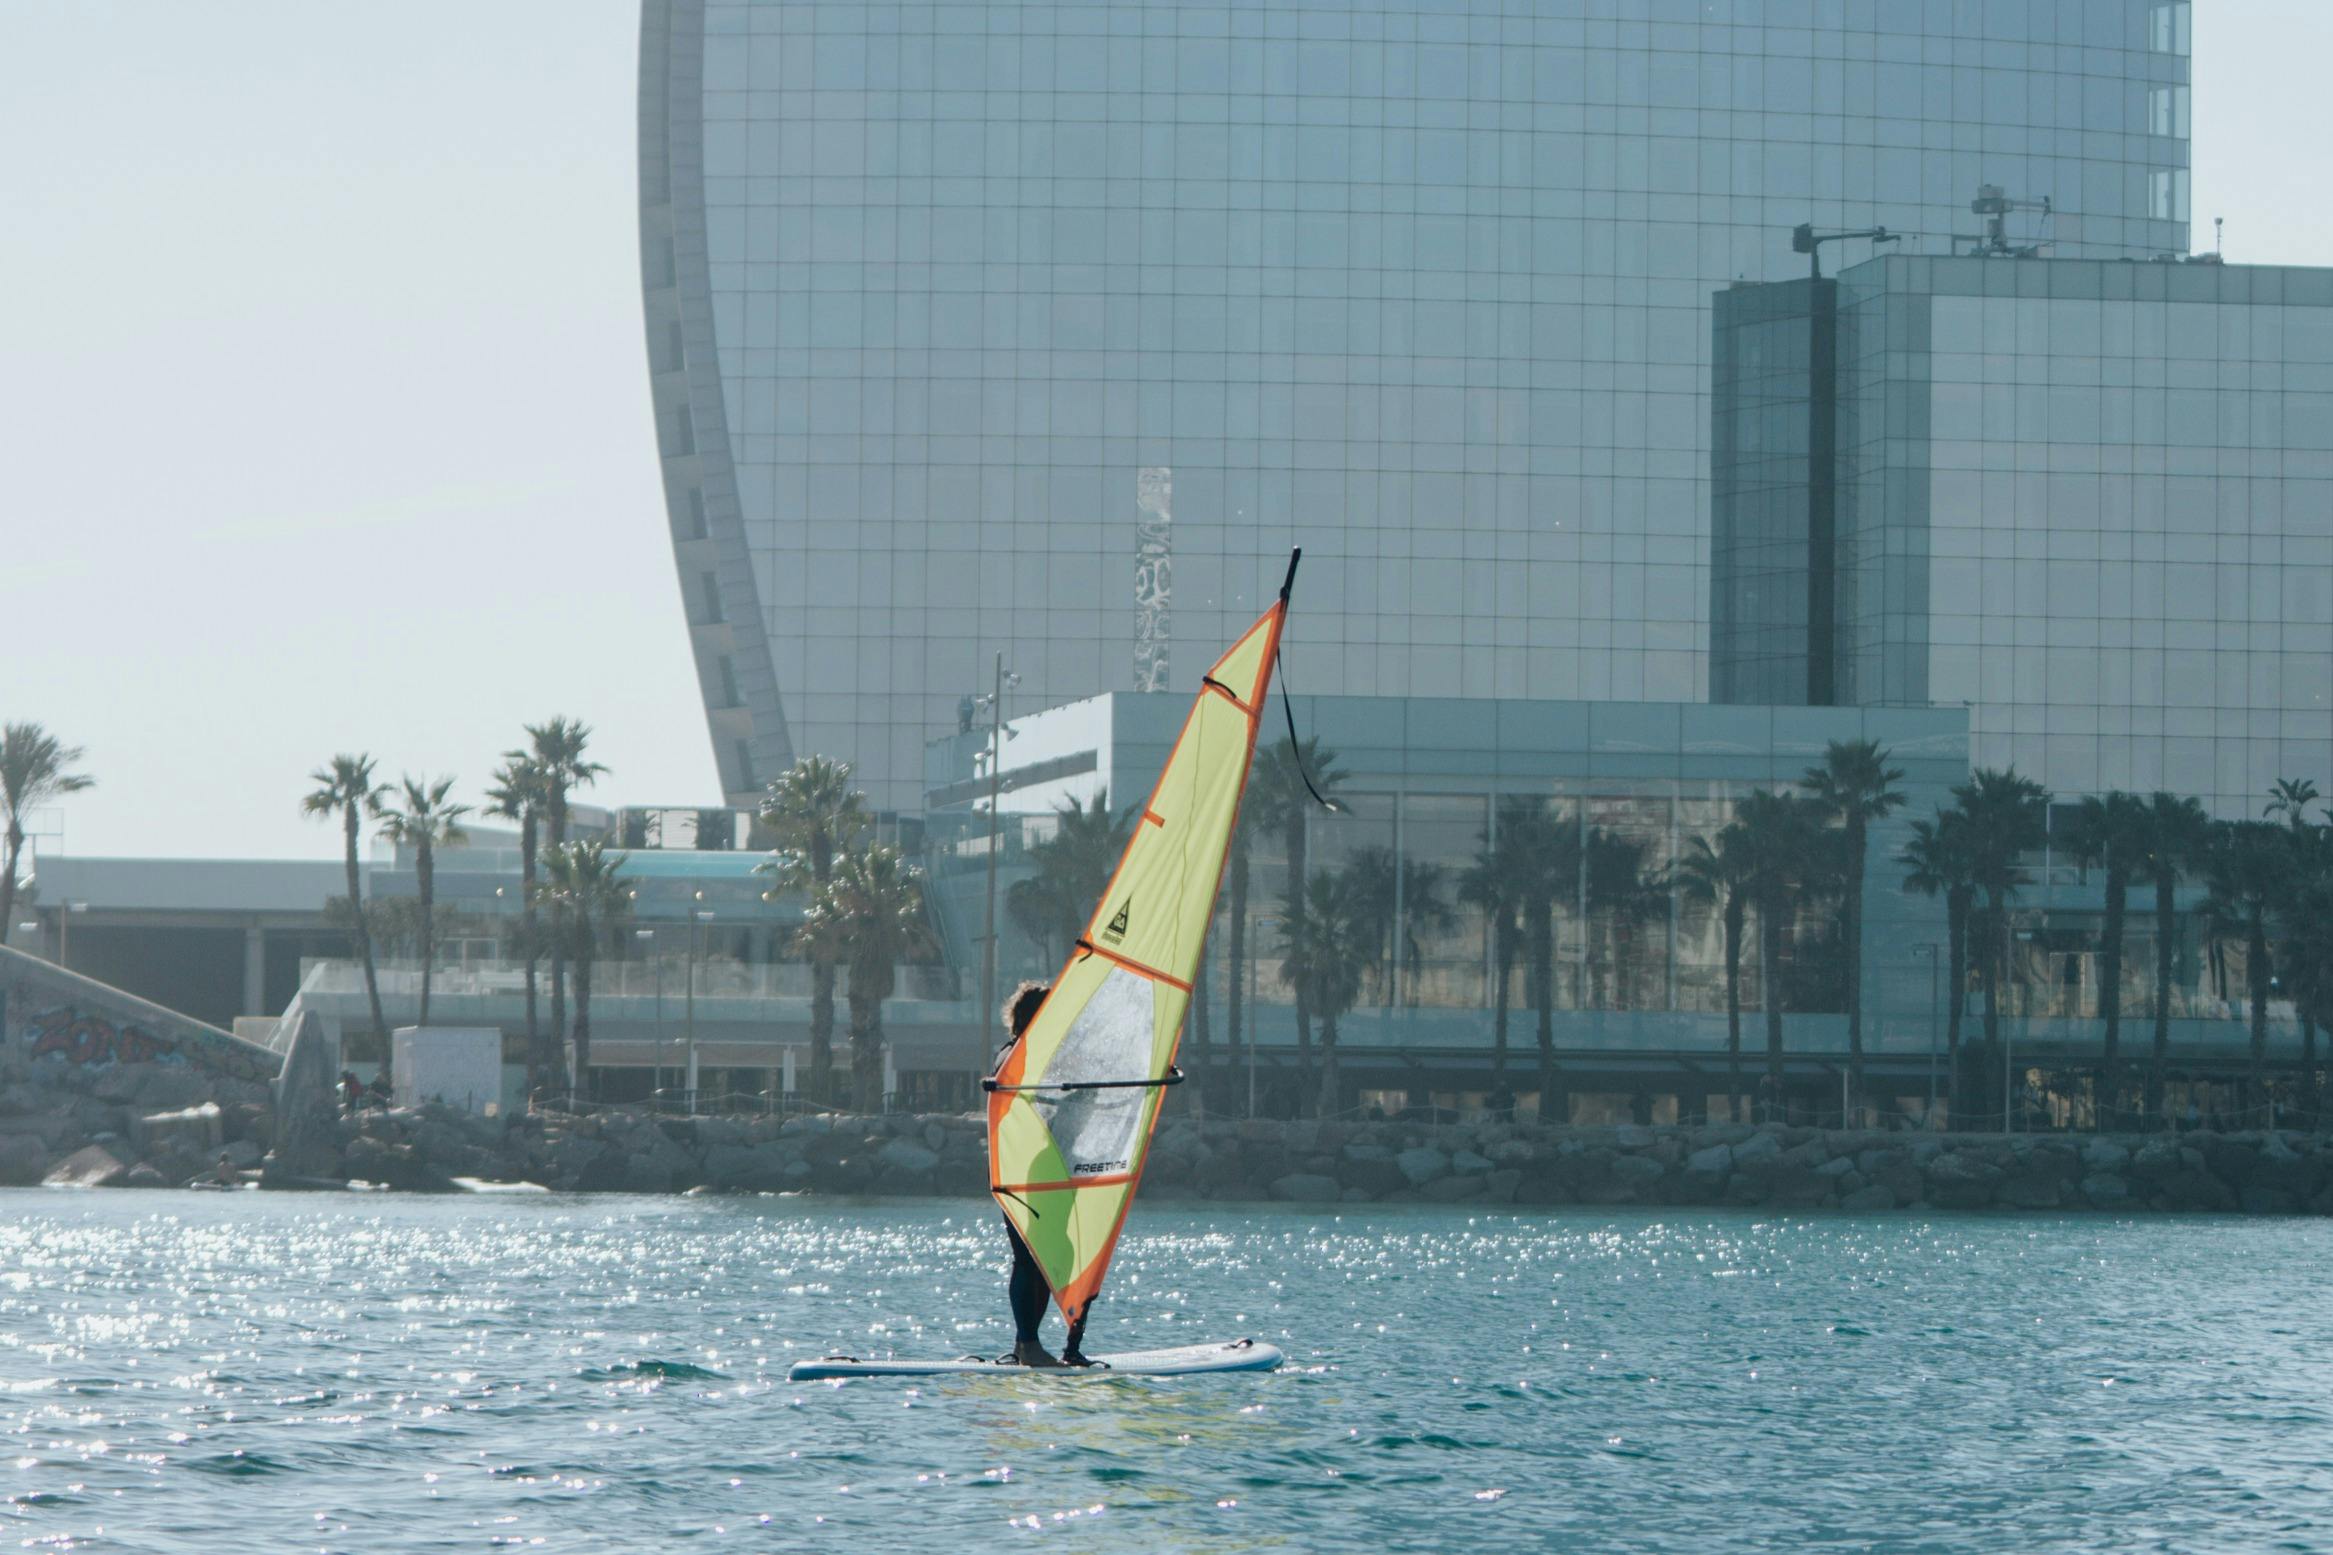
66 1033
76 1036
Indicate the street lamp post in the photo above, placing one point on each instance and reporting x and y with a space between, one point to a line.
1931 949
697 915
656 1046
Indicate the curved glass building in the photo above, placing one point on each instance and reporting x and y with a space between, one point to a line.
1047 328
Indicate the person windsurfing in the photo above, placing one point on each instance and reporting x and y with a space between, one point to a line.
1026 1287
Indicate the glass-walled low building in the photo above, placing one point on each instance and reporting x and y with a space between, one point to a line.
1425 790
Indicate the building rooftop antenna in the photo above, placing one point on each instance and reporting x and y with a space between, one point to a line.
1995 206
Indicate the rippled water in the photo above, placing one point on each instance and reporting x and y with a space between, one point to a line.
184 1372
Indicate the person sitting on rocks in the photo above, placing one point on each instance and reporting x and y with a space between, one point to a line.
352 1091
378 1092
1026 1288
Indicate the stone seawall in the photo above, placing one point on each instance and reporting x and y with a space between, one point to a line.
1229 1160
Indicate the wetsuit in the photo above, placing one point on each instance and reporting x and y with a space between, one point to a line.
1026 1288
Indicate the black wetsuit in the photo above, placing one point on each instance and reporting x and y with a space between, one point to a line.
1026 1288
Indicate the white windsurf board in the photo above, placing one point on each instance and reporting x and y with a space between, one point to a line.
1182 1361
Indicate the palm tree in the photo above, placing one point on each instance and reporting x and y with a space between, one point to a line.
1620 893
815 816
2307 922
1235 898
1777 832
1399 896
1939 862
1497 883
1538 854
2249 867
1074 867
556 748
869 916
1326 951
32 773
346 788
2290 798
1279 799
1855 787
421 818
2109 833
2007 817
1719 873
519 794
2171 843
593 901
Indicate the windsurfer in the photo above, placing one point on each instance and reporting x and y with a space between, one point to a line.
1026 1287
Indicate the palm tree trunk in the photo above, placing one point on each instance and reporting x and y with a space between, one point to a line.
1327 1103
526 875
2110 999
356 915
1235 995
583 1083
1770 986
8 879
1296 862
425 871
1733 1012
1956 1000
1503 956
1990 967
866 1053
1552 1108
822 1029
1202 1035
2309 1067
2166 926
559 1034
1852 924
2256 976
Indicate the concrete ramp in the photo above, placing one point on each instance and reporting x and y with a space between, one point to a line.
72 1028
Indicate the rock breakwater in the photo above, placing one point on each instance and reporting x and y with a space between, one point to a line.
146 1129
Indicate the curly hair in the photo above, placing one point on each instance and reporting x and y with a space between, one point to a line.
1022 1007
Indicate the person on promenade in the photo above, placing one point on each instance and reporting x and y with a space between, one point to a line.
1025 1288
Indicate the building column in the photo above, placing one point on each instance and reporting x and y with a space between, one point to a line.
254 971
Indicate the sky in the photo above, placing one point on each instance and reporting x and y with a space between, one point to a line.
324 419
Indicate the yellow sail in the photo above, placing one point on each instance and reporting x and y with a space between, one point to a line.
1071 1111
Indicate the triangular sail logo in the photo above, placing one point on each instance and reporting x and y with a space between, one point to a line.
1115 930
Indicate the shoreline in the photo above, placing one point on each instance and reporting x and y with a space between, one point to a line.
1488 1162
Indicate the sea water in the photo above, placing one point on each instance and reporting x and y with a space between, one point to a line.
205 1373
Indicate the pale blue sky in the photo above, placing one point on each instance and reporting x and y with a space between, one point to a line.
324 422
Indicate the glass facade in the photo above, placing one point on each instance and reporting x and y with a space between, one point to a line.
1048 328
1639 962
2094 502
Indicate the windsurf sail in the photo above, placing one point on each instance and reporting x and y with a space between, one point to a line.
1071 1111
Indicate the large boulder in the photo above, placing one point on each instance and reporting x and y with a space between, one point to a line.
1467 1164
2104 1155
1422 1165
1306 1188
91 1166
24 1160
2105 1190
1455 1190
1712 1161
1756 1151
1871 1196
1961 1179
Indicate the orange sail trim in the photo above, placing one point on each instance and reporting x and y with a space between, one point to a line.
1075 1103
